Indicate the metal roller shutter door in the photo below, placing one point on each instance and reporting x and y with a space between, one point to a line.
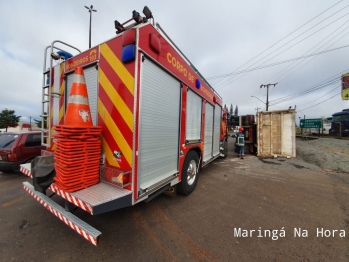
193 122
208 132
91 83
216 129
159 125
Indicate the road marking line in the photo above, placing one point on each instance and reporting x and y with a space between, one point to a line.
12 202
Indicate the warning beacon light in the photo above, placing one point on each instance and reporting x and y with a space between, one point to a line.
61 55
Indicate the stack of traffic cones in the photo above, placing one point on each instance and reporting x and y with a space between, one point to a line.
77 155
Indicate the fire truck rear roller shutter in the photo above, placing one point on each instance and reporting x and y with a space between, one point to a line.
91 74
159 125
193 121
216 129
208 132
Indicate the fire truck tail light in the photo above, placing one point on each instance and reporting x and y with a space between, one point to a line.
197 83
155 43
126 179
115 176
128 53
129 37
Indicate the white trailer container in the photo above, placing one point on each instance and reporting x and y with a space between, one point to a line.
276 133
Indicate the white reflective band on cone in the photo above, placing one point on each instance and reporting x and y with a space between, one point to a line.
79 79
77 99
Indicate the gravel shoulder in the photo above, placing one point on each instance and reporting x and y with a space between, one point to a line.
254 193
326 153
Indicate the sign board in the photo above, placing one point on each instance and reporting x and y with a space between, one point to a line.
311 123
82 59
345 86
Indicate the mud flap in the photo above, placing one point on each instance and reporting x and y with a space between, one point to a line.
43 172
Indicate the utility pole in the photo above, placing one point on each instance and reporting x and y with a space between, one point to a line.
90 9
267 86
30 121
257 112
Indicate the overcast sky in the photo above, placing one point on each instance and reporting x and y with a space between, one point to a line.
219 37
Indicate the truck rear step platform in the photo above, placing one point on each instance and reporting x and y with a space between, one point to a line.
96 199
84 229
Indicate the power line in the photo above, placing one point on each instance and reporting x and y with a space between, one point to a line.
327 82
257 69
227 82
323 101
300 40
303 93
313 57
319 97
312 53
230 81
277 63
286 36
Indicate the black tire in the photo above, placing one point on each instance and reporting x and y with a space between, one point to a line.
225 149
7 170
189 180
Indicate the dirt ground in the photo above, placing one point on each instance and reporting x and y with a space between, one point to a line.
270 195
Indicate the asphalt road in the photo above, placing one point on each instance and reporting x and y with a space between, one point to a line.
269 195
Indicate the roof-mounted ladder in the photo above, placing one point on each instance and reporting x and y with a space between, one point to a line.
47 93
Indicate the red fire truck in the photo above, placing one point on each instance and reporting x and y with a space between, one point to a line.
161 120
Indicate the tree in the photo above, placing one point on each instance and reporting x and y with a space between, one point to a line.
8 119
228 115
236 113
231 109
38 122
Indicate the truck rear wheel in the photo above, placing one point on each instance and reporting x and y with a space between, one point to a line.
189 174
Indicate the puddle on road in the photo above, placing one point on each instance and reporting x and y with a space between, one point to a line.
268 162
297 166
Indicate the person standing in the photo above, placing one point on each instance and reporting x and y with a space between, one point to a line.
240 142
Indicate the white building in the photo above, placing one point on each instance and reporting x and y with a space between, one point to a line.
22 127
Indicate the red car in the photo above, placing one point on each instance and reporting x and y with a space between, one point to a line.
18 148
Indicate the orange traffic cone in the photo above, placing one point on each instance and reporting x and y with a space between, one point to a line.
77 155
78 110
